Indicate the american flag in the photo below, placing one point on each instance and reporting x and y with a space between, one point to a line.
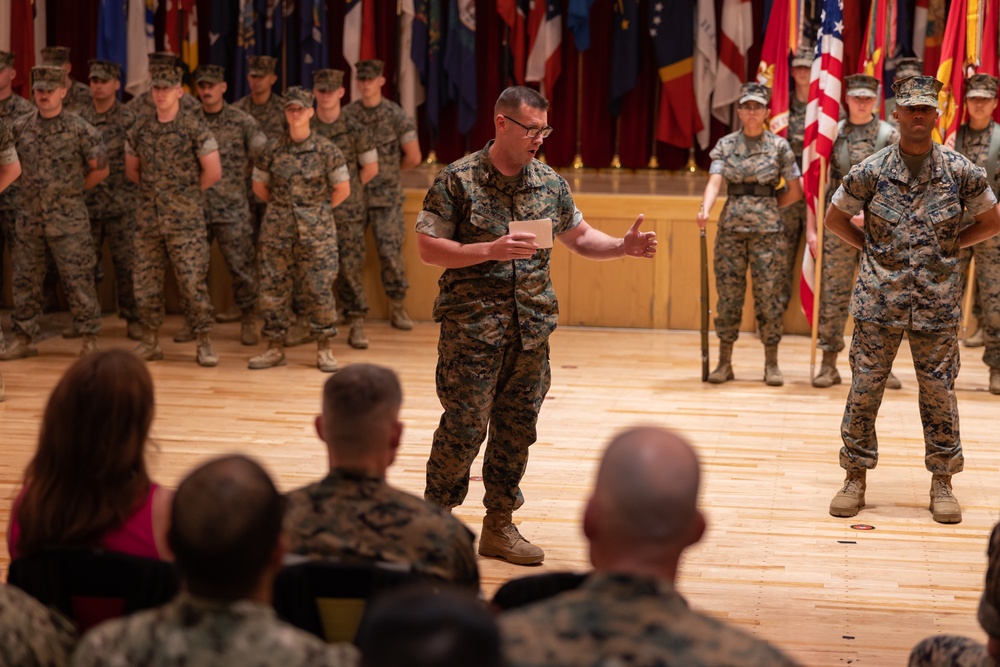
822 114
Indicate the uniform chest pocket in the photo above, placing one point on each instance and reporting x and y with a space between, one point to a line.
884 211
765 171
946 218
486 227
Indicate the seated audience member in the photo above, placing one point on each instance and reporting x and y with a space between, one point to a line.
416 627
87 485
642 515
948 650
225 532
32 635
353 515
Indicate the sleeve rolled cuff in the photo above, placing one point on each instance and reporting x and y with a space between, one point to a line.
9 156
261 176
434 225
408 137
368 157
981 203
716 167
208 147
846 202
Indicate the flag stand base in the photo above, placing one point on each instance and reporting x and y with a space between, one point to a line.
578 161
432 158
616 161
653 163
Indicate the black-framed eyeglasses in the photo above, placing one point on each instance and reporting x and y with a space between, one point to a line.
531 132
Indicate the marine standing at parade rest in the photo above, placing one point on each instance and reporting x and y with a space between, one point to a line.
859 136
227 207
10 169
12 105
395 136
77 94
497 309
174 158
113 202
912 195
753 162
61 156
302 177
356 143
979 140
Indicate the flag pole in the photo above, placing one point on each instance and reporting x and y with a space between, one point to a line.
970 288
578 158
818 278
616 160
653 162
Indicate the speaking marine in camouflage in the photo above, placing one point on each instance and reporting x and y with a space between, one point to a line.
302 177
356 143
753 162
912 194
497 309
353 515
860 135
12 105
32 635
395 135
227 207
641 516
61 156
77 94
174 158
225 532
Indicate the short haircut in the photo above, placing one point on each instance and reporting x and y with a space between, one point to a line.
512 98
225 523
420 627
359 401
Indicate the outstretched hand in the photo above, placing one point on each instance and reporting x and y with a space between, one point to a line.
639 244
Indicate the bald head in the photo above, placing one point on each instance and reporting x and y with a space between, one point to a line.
361 410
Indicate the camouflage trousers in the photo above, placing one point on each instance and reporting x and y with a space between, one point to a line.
794 220
840 260
188 252
306 262
237 247
987 300
8 220
386 223
936 361
485 391
120 233
765 255
349 287
950 651
74 259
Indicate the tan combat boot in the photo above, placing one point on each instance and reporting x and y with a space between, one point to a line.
325 361
134 330
501 539
248 328
20 349
892 382
89 344
724 371
944 506
186 333
828 375
205 355
975 340
149 347
273 356
995 380
772 374
357 338
398 316
850 499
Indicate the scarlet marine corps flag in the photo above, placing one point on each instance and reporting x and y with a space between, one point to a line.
773 68
951 73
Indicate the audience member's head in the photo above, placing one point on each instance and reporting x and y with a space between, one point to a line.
89 470
417 627
989 604
360 422
225 530
644 509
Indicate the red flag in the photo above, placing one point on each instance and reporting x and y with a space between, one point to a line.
934 35
545 48
22 44
368 51
514 14
773 67
171 27
951 72
879 43
673 47
735 39
989 64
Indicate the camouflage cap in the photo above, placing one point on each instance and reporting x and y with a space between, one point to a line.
261 65
915 91
298 96
981 85
328 79
752 91
6 59
55 56
105 70
909 67
369 69
209 73
804 55
47 77
861 85
165 76
168 58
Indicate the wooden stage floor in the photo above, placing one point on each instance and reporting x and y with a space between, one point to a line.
773 561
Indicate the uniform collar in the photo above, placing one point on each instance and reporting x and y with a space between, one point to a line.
530 177
897 170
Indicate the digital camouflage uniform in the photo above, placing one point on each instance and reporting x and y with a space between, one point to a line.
32 635
170 223
191 632
619 619
54 155
391 127
359 518
751 233
908 280
794 215
112 206
227 209
270 118
298 238
10 109
496 318
955 651
840 259
355 142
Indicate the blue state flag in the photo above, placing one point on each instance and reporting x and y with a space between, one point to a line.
578 22
426 51
222 35
624 52
112 44
247 44
460 61
312 34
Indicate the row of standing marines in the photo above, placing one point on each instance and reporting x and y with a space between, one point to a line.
163 175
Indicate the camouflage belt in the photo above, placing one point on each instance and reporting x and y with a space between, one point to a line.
749 190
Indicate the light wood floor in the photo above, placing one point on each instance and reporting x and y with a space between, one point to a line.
773 561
